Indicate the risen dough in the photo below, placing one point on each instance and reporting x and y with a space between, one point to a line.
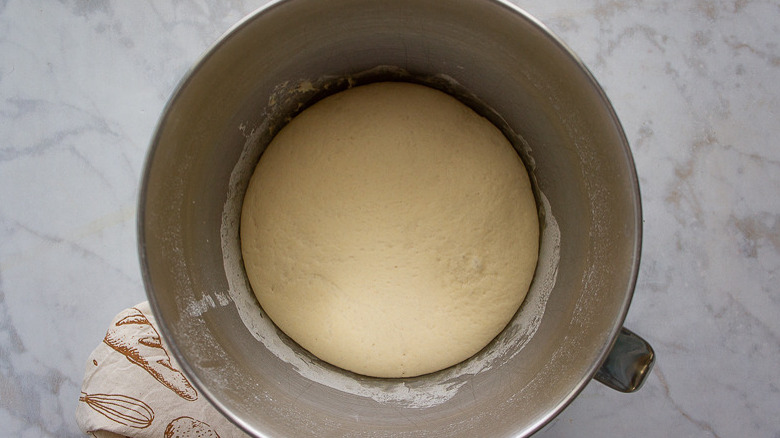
390 230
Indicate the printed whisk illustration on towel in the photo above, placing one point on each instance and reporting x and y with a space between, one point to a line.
133 336
123 409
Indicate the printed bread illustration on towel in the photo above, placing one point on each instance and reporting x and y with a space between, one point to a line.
135 337
188 427
120 408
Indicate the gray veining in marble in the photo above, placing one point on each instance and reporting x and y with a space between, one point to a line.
696 84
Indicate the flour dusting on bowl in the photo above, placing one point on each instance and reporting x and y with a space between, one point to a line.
426 391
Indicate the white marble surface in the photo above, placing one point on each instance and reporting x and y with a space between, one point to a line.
695 83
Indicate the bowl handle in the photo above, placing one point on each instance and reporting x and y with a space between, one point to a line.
628 363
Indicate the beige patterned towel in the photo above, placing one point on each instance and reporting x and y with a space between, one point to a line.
133 388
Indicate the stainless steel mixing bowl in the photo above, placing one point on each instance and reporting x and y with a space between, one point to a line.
511 69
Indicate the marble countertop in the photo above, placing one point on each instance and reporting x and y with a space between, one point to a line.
696 85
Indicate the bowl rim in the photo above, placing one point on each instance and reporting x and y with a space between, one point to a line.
224 39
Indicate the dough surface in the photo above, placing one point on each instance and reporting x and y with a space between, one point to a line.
390 230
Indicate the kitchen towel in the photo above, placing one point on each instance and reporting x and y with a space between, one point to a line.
133 388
